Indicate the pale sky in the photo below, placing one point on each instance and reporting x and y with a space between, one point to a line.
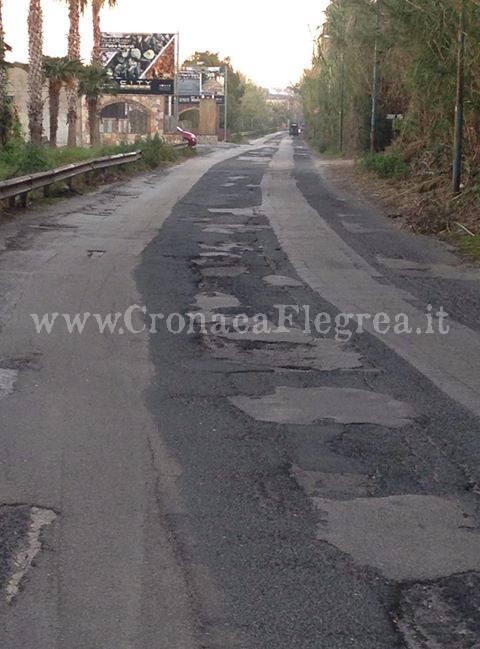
269 40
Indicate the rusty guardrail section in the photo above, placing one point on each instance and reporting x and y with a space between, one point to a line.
13 187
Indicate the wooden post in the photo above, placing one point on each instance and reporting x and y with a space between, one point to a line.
460 100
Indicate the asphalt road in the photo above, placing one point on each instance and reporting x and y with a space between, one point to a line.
218 490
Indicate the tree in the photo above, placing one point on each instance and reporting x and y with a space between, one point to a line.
75 7
97 6
35 71
60 72
94 84
256 113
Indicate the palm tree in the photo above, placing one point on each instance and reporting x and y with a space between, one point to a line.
97 6
75 8
94 83
35 71
59 72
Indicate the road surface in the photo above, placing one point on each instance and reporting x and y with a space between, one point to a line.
258 485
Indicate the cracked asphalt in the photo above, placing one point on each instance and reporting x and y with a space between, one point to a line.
283 490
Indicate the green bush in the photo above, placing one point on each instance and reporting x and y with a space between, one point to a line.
19 158
385 165
155 151
33 159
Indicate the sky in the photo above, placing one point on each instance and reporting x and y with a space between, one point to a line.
270 41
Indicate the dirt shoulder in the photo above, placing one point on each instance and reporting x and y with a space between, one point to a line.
421 204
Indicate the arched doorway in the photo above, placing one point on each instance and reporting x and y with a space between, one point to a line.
190 119
127 118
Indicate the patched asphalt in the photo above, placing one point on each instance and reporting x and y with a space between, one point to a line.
250 521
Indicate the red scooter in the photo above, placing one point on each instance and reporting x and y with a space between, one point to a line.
190 138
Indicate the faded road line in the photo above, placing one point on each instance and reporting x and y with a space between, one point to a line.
341 276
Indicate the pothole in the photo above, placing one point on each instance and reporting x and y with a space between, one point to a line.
237 211
226 247
267 332
323 355
215 253
282 281
223 271
441 615
234 228
215 260
53 226
341 486
342 405
406 538
95 254
8 379
21 528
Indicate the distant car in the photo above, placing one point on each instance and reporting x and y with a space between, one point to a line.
190 138
294 129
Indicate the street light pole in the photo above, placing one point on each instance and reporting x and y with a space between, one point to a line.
177 80
460 98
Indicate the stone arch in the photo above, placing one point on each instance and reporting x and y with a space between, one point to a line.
125 116
190 117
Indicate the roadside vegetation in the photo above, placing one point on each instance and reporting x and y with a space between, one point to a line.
36 151
22 158
416 45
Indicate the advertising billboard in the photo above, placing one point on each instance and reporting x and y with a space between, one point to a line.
140 63
197 82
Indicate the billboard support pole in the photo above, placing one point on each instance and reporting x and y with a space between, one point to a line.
225 123
177 79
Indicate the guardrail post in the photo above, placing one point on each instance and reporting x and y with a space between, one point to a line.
12 201
70 184
24 199
46 191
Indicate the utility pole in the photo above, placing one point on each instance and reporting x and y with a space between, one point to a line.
225 121
176 108
342 104
373 122
460 100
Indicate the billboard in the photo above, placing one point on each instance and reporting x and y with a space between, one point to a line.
198 82
189 83
140 63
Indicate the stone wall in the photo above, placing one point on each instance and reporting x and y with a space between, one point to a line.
153 105
18 89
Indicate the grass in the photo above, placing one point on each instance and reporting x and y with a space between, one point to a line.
470 245
385 165
19 159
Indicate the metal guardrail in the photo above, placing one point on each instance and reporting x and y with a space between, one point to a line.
13 187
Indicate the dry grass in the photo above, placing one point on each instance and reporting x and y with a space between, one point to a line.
423 202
